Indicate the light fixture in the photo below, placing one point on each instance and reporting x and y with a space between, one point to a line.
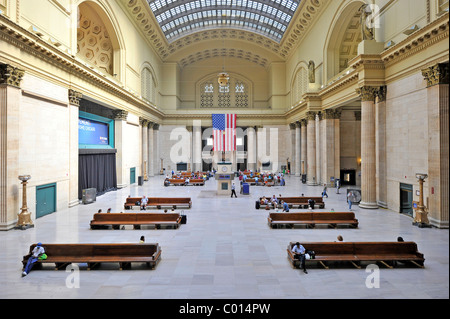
223 77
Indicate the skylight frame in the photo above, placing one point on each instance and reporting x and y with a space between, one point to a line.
178 18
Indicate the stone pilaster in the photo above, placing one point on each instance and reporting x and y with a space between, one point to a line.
380 147
297 149
311 151
120 121
330 146
251 149
197 146
156 160
144 160
318 148
438 137
368 151
150 149
10 96
304 148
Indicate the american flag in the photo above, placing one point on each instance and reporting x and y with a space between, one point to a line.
224 132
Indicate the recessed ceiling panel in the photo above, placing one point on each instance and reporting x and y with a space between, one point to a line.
179 18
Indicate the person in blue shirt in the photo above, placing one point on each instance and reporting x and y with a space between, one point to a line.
285 207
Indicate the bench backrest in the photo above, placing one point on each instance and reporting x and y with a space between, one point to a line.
385 248
360 248
301 199
290 216
82 250
333 215
168 200
168 217
135 217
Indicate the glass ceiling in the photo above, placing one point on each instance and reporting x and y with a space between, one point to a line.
178 18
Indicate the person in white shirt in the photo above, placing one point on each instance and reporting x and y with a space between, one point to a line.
233 190
144 202
37 252
299 253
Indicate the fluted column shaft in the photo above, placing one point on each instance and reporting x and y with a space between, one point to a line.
368 150
304 152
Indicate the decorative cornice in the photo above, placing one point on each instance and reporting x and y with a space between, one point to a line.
10 75
437 74
430 34
31 44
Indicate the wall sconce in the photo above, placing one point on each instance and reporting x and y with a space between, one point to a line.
359 161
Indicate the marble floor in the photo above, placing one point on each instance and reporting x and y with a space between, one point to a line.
225 251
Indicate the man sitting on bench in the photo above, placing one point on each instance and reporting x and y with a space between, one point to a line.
299 253
144 202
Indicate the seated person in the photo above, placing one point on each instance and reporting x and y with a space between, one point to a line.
144 202
285 206
186 181
311 203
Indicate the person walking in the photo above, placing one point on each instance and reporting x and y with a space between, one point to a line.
324 192
233 190
350 200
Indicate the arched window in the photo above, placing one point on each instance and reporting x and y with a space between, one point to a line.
300 85
234 95
148 85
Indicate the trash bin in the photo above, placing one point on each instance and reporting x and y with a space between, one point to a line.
245 188
140 180
304 178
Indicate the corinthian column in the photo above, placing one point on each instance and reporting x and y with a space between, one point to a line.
368 151
297 149
311 151
144 123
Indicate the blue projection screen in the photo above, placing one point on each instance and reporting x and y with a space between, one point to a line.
92 132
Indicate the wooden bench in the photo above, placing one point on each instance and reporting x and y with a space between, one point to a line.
115 220
160 202
182 182
386 253
95 254
312 219
293 202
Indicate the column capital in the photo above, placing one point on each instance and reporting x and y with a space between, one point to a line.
10 75
292 126
311 116
74 97
328 114
304 122
437 74
143 122
120 115
156 126
367 93
381 93
189 128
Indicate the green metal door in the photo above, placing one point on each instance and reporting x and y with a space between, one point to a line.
132 175
45 199
406 199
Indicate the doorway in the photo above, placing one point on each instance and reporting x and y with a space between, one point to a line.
406 199
132 175
45 199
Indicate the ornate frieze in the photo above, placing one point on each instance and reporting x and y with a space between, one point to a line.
10 75
437 74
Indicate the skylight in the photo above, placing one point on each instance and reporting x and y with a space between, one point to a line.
179 18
